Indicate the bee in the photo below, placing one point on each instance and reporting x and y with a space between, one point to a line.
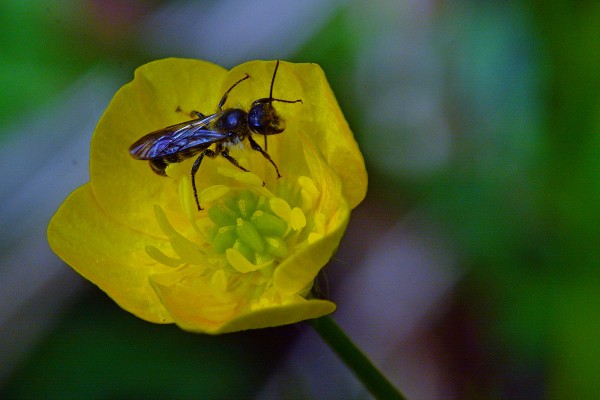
212 135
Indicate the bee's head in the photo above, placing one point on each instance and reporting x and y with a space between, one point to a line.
263 118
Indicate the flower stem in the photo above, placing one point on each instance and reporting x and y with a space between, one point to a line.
351 355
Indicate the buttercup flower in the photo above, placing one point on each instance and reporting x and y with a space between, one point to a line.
249 259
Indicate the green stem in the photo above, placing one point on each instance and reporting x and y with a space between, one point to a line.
351 355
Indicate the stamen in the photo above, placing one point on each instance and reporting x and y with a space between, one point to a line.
248 234
186 199
188 251
308 185
222 215
276 247
266 259
309 192
162 258
247 204
163 222
319 228
281 208
241 263
219 280
297 219
247 230
269 224
247 178
224 239
243 248
213 193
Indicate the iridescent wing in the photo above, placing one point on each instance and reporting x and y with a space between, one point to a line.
176 138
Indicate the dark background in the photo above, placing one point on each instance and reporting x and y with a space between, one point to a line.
471 269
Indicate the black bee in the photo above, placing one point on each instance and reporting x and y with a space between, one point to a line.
222 129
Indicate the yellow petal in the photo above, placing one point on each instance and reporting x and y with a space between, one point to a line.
299 270
108 254
200 311
194 308
332 133
278 315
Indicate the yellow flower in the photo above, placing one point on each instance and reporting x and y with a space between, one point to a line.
249 259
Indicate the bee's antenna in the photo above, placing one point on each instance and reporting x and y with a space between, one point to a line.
271 94
273 81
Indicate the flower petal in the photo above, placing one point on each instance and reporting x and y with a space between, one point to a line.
108 254
333 136
279 315
203 311
301 268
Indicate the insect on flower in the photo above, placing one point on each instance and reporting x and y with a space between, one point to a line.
223 129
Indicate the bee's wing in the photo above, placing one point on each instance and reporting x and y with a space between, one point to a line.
176 138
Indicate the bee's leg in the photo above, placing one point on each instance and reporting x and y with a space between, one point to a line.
209 153
225 153
255 146
224 98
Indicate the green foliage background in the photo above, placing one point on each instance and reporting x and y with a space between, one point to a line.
520 199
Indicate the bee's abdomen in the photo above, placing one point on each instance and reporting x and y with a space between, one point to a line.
159 165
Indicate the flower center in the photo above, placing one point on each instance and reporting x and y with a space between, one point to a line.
245 233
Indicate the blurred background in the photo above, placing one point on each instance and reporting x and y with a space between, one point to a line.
469 272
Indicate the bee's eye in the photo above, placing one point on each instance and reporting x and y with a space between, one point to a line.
263 119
